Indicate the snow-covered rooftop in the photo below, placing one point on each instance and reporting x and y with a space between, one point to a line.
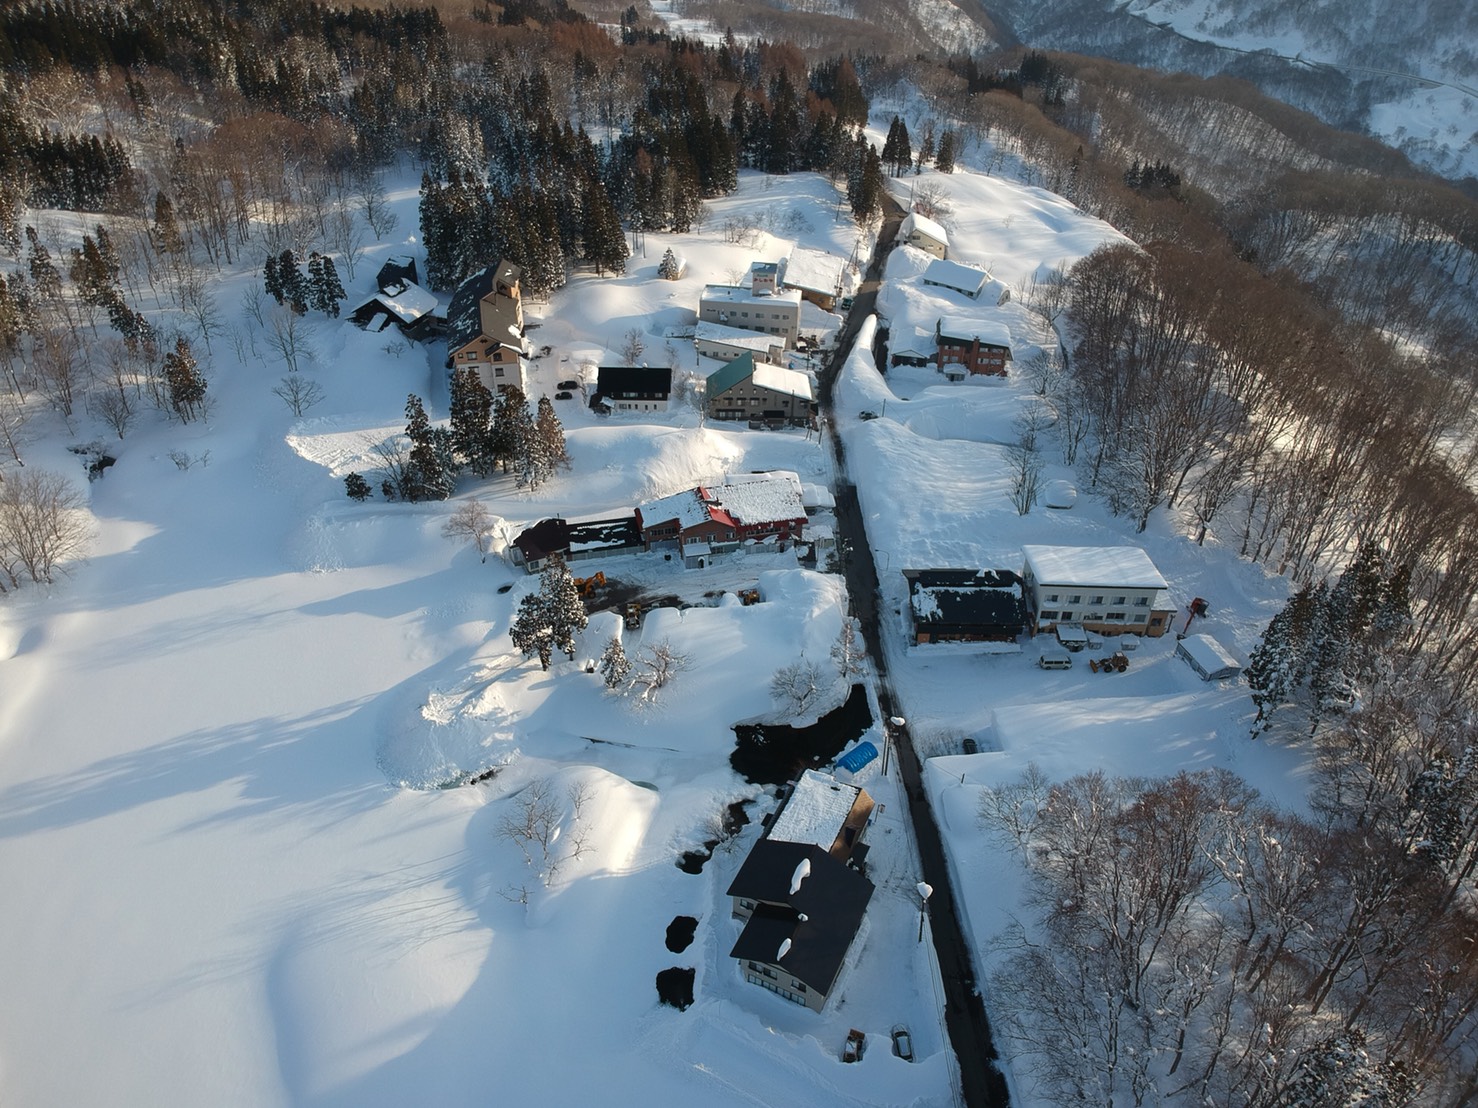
748 498
1126 566
779 379
814 270
816 811
991 332
924 226
967 279
409 300
737 336
1209 655
761 497
738 294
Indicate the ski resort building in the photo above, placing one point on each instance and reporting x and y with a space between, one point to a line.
971 346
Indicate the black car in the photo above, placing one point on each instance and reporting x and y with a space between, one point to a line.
971 747
562 396
569 384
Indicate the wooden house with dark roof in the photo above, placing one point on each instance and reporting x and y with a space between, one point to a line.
966 605
802 909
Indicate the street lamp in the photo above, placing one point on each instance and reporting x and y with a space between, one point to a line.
925 892
893 724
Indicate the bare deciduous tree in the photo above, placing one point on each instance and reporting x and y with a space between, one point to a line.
299 393
658 663
472 521
43 523
797 685
632 346
287 334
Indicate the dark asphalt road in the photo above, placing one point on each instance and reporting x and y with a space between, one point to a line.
982 1084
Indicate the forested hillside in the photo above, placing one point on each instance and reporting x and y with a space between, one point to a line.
1280 362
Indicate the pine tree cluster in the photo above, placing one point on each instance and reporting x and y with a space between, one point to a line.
1326 640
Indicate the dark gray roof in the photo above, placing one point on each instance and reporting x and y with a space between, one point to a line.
557 536
463 317
634 382
397 270
970 597
833 899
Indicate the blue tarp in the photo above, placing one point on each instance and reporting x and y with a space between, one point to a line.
857 757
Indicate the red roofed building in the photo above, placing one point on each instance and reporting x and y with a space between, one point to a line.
704 521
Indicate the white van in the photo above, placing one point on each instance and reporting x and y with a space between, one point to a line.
1053 658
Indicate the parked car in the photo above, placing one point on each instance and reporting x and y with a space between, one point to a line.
563 396
569 384
902 1042
853 1047
971 746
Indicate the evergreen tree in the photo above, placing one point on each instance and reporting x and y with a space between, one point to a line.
546 448
45 277
530 629
944 161
613 664
471 419
430 468
903 154
926 148
1279 663
667 269
324 286
604 240
566 610
357 488
868 198
272 278
165 232
550 619
295 290
513 428
185 381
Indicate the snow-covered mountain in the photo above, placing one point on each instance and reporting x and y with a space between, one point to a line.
1406 73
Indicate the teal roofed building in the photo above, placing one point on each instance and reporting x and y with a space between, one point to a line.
746 389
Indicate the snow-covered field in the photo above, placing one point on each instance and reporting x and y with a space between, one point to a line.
229 880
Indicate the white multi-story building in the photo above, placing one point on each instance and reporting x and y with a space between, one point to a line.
1108 589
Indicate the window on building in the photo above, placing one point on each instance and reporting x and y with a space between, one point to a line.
1052 596
1141 602
1114 616
1121 600
1076 598
1096 600
1067 615
1046 614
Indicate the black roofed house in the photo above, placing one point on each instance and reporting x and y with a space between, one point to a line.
966 605
574 542
801 908
405 305
399 269
485 326
624 388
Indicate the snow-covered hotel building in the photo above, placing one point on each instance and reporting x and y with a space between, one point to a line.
1108 589
760 307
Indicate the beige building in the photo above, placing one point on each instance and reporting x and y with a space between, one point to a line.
759 306
746 389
